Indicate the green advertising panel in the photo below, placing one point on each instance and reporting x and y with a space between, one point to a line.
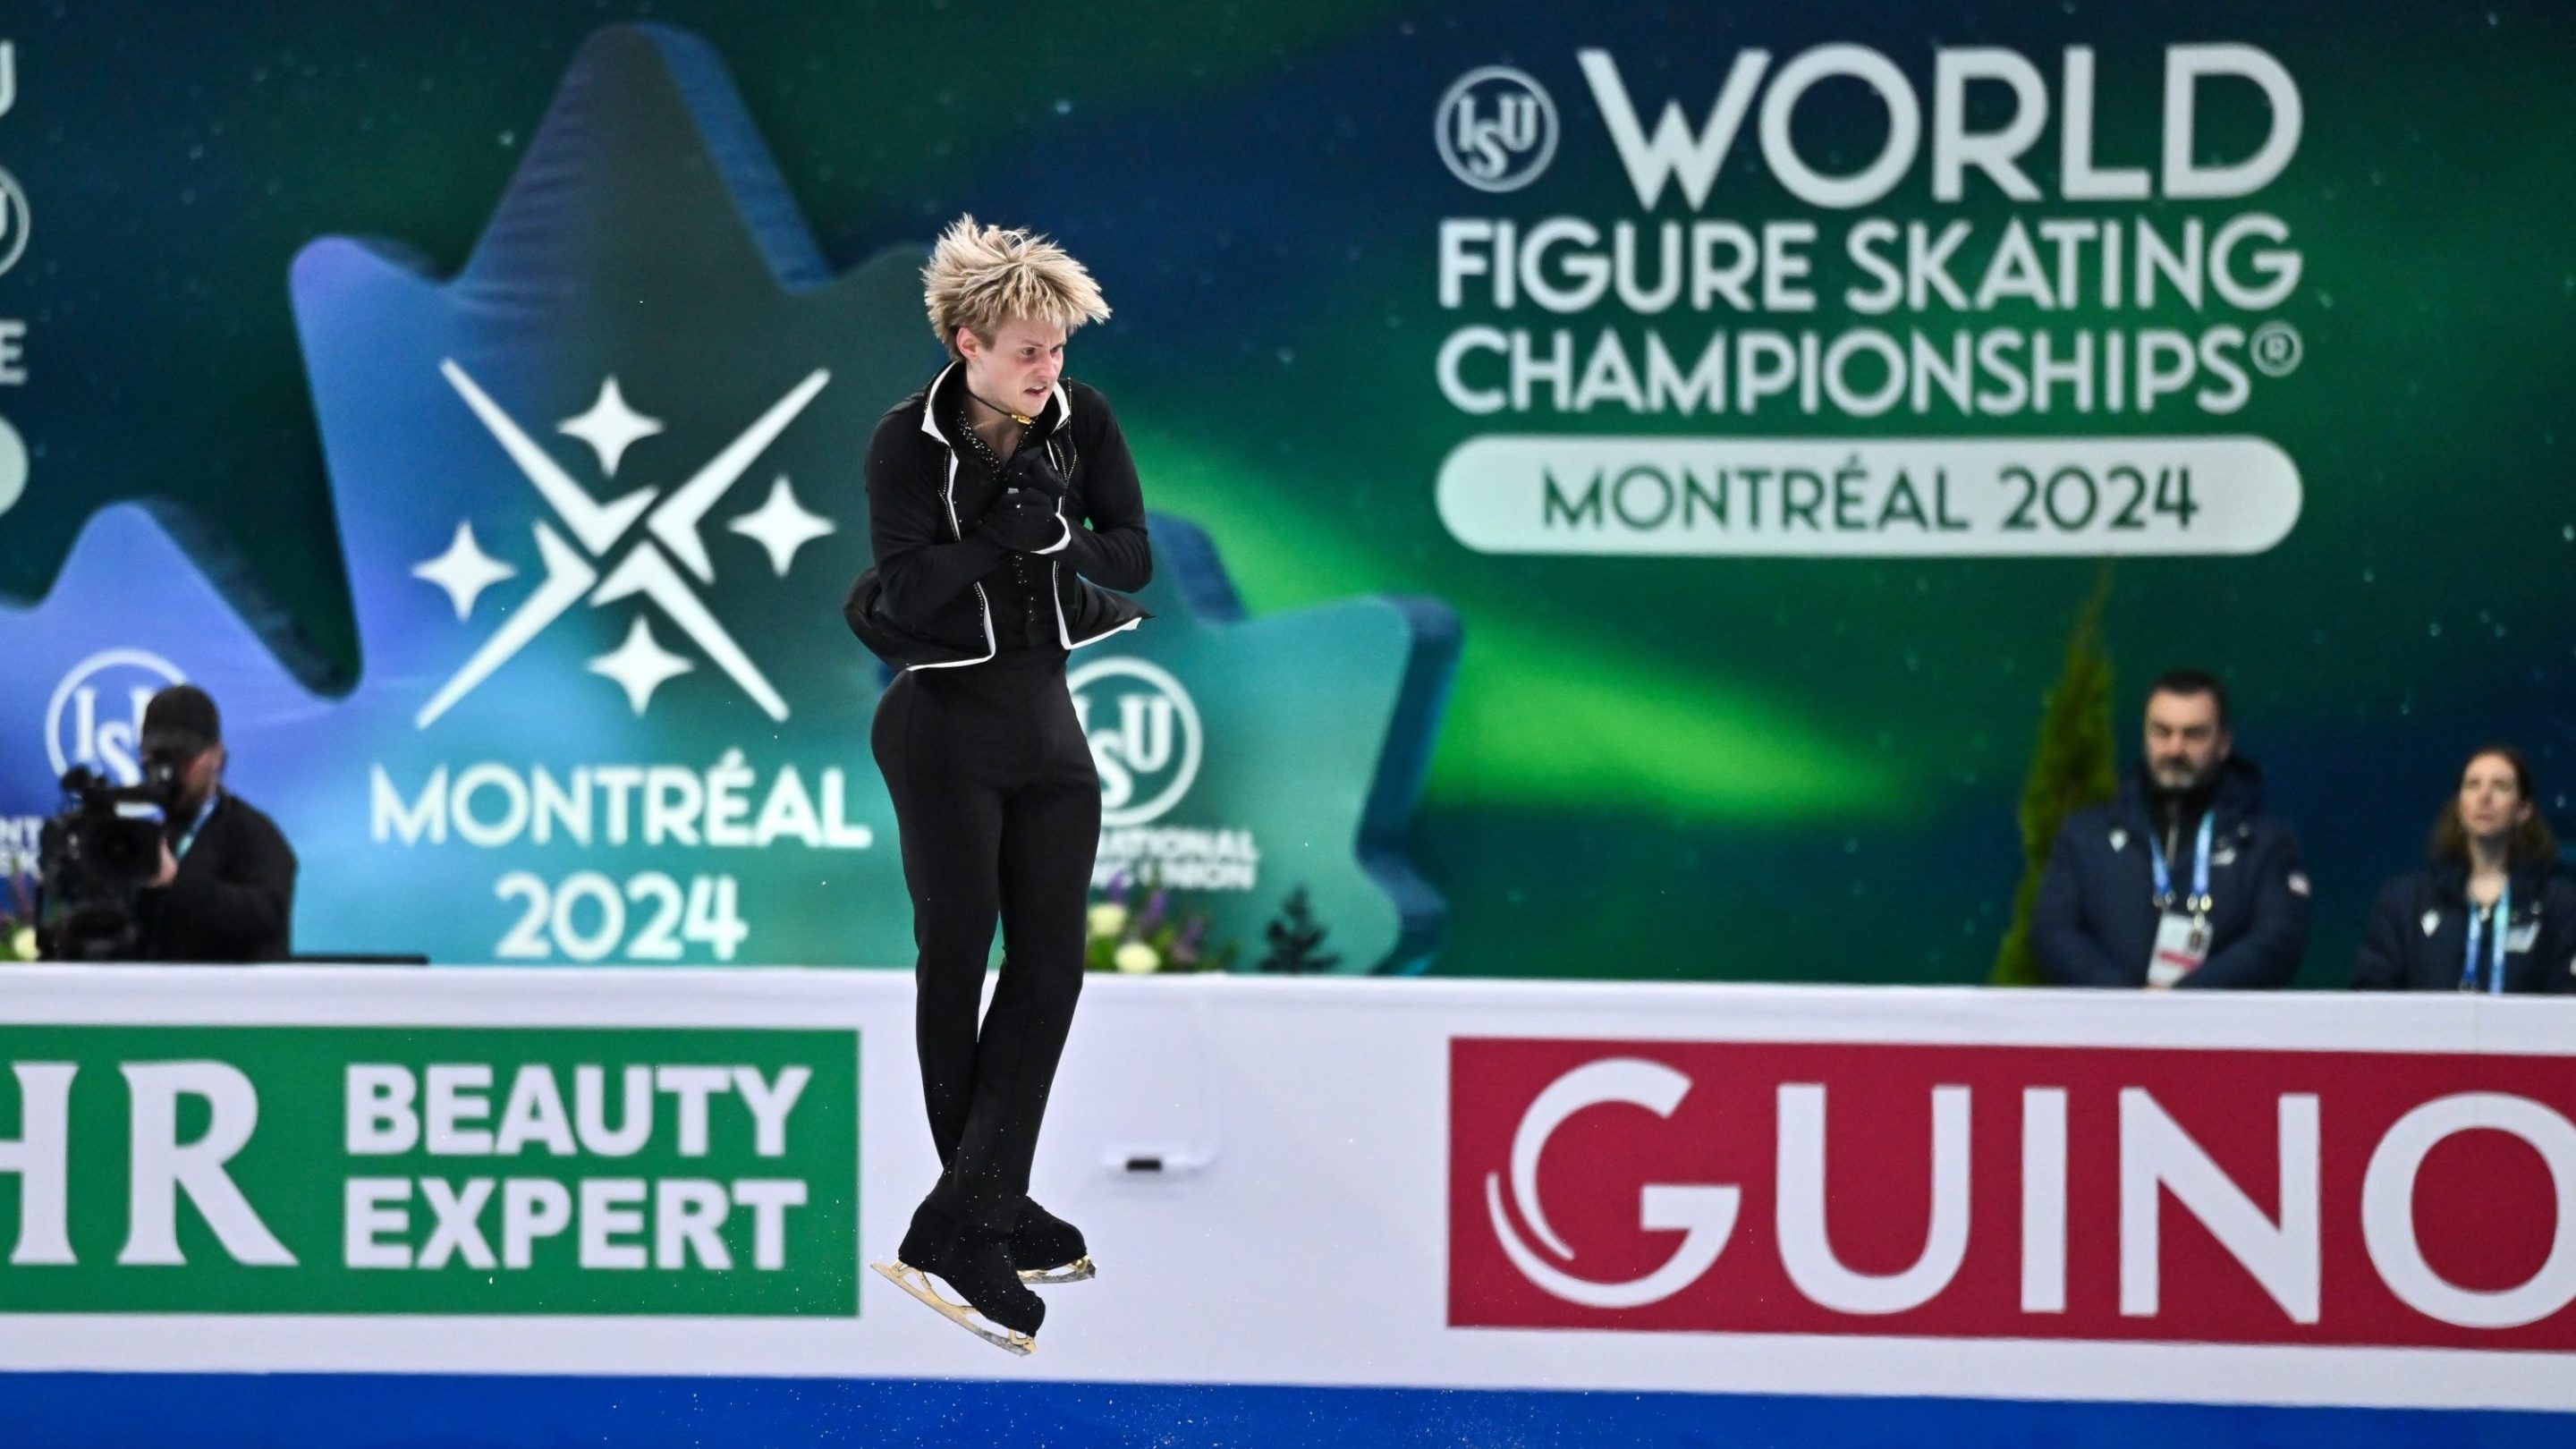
422 1170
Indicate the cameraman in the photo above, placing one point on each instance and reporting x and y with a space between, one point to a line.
226 888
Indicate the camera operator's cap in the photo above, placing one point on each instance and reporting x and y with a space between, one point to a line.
181 718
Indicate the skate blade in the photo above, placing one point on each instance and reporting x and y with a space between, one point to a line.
1079 1270
917 1283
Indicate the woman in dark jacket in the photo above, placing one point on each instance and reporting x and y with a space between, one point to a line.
2489 914
1003 509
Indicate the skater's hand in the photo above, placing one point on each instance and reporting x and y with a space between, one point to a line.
1023 521
1032 469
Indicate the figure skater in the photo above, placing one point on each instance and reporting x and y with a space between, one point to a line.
1003 507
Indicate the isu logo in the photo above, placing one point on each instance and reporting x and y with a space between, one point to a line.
15 222
95 717
1144 734
1496 129
2013 1192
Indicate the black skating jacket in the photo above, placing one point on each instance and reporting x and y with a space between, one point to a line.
2094 923
2419 934
923 605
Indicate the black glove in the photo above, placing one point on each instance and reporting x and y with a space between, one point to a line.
1023 521
1032 469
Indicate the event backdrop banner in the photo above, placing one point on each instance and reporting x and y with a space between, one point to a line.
503 1203
1761 393
528 769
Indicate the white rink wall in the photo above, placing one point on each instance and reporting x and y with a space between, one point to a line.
1298 1226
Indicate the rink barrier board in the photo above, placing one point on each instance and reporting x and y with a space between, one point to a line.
1385 1310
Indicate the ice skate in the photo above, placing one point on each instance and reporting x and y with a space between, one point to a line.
974 1265
1047 1249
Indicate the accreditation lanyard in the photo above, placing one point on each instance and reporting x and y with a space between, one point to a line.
2199 902
179 851
2495 947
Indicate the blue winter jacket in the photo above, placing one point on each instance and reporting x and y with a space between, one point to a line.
2095 921
2419 933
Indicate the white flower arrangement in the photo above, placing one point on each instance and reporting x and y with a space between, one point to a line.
1149 939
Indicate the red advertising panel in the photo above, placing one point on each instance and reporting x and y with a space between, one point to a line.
2014 1192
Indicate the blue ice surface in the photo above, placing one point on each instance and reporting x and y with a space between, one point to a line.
387 1411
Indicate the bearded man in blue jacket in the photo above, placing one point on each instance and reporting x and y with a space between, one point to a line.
2183 882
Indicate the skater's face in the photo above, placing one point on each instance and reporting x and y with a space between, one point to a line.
1018 367
2185 742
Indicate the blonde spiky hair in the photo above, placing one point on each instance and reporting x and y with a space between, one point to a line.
982 276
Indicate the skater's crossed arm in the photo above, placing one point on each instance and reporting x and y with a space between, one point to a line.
919 567
1112 551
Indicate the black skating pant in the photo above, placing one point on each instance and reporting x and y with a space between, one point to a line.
999 811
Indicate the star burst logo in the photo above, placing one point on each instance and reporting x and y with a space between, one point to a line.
644 544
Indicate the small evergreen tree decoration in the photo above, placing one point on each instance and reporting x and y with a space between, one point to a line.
2070 768
1293 937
